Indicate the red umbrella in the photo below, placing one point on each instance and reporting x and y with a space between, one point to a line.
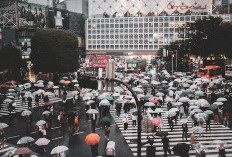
22 151
156 121
154 100
48 104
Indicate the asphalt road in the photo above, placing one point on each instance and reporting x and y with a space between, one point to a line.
76 143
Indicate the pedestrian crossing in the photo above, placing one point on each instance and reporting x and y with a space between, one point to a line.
21 107
218 132
9 150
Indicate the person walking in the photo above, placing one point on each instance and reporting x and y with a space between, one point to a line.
37 98
184 131
94 150
125 124
2 138
226 117
181 111
221 151
93 121
193 139
23 98
71 120
29 103
165 142
134 119
76 122
207 122
171 123
107 131
118 108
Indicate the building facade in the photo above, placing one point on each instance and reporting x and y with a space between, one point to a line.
140 26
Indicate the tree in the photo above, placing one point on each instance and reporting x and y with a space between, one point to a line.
11 61
54 50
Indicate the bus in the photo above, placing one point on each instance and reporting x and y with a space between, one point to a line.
133 64
210 72
228 71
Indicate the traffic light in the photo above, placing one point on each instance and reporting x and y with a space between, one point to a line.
86 82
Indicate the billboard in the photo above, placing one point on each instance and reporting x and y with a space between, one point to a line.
58 19
25 43
31 16
99 62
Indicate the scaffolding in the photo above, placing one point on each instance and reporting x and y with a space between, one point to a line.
9 16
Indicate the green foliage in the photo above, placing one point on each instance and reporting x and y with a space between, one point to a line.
205 37
54 50
10 59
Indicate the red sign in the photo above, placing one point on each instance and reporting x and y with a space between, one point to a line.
99 62
172 5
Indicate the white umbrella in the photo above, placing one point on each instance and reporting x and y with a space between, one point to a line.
74 81
208 112
136 89
62 81
170 114
159 94
149 104
59 149
183 121
3 125
46 112
116 94
184 99
198 129
86 98
90 102
186 85
75 92
169 99
104 103
42 142
26 113
221 99
76 85
193 86
202 102
192 102
92 111
50 94
218 103
40 122
24 140
177 103
27 85
193 107
164 82
174 110
40 81
7 101
155 82
50 83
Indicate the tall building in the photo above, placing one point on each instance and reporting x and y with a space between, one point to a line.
78 6
140 27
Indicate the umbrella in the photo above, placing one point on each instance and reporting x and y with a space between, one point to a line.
221 99
40 81
174 110
18 88
154 100
90 102
202 102
116 94
62 81
170 113
124 115
198 129
199 93
46 112
208 112
27 85
136 89
11 95
201 119
164 82
3 125
168 99
218 142
10 153
59 149
67 82
158 110
105 119
92 111
11 90
42 142
7 101
25 140
155 82
218 103
26 113
193 107
109 98
183 121
193 86
149 104
133 110
22 151
56 87
177 103
50 83
48 104
159 94
198 110
92 139
181 149
192 102
156 121
85 98
144 97
184 99
40 122
162 133
186 85
213 107
74 81
104 103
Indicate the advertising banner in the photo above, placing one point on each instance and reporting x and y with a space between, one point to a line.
99 62
31 16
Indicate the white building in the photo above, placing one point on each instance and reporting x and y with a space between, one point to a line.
139 26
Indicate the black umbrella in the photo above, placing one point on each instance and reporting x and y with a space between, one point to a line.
162 133
181 149
135 113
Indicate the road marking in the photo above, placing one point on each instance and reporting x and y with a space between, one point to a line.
78 133
57 138
13 137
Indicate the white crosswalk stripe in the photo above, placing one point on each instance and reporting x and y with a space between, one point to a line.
19 107
218 131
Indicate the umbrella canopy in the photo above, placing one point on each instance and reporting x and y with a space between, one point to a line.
199 93
26 113
22 151
213 107
116 94
159 94
10 153
86 98
92 111
170 113
221 99
133 110
162 133
40 122
183 121
193 107
104 103
149 104
198 129
158 110
156 121
177 104
90 102
202 103
92 139
105 119
25 140
109 98
48 104
154 100
136 89
184 99
218 142
67 82
3 125
59 149
46 112
75 92
74 81
218 103
208 112
174 110
42 142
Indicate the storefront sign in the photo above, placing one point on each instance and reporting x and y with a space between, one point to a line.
99 62
172 5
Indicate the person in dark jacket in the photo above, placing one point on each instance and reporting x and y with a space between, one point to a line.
29 103
184 131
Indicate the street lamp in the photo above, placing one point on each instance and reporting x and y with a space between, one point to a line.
173 55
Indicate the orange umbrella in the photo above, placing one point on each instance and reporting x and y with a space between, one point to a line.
92 139
67 82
